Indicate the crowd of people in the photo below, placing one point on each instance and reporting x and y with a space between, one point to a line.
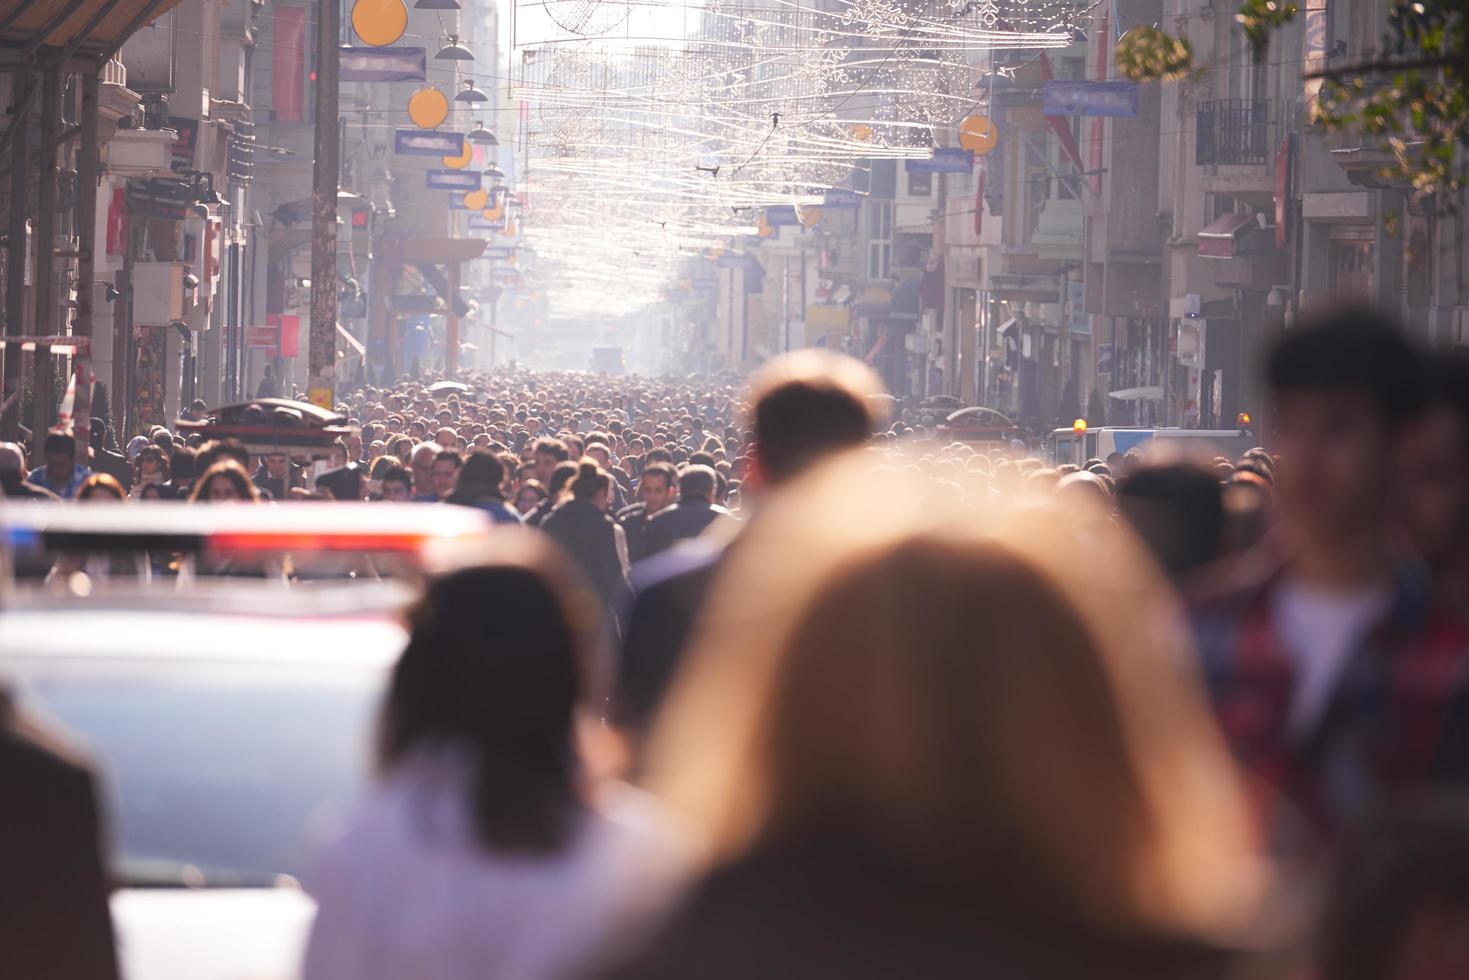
761 683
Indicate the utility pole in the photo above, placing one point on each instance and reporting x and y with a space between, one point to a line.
15 262
48 312
322 347
86 227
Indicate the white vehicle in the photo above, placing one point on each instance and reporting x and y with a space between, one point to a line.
1077 445
229 719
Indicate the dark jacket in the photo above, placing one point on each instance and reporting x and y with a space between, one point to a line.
115 465
634 521
668 591
829 908
486 499
685 519
590 537
54 920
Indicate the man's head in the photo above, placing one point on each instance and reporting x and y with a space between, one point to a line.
60 451
97 433
446 472
697 482
1344 386
547 453
656 487
397 485
809 405
422 461
12 458
277 465
445 437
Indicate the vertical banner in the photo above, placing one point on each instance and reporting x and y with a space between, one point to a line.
148 409
288 65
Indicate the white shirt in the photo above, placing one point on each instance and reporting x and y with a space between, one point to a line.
1320 630
407 892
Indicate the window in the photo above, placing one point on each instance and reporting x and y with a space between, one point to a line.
879 239
920 184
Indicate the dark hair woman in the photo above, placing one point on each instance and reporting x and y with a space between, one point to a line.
481 484
482 852
581 526
224 482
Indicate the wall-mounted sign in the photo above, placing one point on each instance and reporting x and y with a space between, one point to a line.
383 64
452 180
1116 99
428 143
945 160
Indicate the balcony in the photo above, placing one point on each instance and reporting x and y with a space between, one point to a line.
1233 132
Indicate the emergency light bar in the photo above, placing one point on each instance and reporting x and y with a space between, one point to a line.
235 529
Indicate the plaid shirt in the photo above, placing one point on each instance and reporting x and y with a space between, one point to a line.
1397 720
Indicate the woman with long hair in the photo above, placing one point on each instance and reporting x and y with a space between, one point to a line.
921 746
486 849
224 482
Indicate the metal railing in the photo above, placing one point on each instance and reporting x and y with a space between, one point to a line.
1233 131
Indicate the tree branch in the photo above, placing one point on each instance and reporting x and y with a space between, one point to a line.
1377 67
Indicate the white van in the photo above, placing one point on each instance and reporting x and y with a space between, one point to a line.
1068 446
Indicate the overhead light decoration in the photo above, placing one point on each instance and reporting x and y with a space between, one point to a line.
428 108
379 23
471 94
481 135
635 160
454 51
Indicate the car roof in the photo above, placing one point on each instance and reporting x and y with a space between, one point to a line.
116 631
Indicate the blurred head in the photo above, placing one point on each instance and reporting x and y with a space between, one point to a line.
697 482
1178 512
60 451
482 473
809 405
277 465
100 486
655 489
224 482
446 472
422 461
508 698
1432 495
547 453
397 485
592 483
1344 386
1066 746
530 494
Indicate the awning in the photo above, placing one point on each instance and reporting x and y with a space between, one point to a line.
357 346
95 28
1226 237
1151 393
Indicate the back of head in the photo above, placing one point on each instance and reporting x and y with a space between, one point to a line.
482 469
835 681
809 405
1350 350
507 697
1178 512
590 480
696 482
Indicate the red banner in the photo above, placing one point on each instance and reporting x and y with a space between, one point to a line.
289 326
288 65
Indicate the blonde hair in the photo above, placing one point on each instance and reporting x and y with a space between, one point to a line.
959 690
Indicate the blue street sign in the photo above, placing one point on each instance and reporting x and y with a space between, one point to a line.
945 160
498 252
428 143
781 216
1115 99
383 64
452 180
840 197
